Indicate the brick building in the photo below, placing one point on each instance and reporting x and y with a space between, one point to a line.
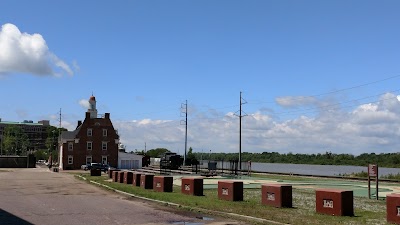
36 132
93 141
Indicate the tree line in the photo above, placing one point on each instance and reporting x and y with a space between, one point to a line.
390 160
16 142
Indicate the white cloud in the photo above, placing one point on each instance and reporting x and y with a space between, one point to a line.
28 53
372 127
84 103
296 101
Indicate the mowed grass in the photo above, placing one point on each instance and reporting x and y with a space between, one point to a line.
303 212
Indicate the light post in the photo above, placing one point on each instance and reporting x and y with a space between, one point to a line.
1 145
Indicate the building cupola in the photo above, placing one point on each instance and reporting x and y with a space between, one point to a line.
92 109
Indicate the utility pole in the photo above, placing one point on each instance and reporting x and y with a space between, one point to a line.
145 147
184 111
242 102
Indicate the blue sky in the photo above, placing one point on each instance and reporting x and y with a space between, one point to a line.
142 59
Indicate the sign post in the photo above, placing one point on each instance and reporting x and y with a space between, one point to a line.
372 172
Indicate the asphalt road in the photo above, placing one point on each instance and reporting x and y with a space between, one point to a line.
38 196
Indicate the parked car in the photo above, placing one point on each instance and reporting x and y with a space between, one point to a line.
102 167
85 166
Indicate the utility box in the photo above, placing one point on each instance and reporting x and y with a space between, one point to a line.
95 172
334 202
120 178
115 175
393 208
110 173
128 177
192 186
230 190
146 181
136 179
162 184
277 195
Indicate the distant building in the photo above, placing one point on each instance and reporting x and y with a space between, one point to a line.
93 141
129 160
36 132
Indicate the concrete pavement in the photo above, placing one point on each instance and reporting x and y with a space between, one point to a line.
38 196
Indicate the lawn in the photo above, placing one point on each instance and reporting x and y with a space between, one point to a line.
303 212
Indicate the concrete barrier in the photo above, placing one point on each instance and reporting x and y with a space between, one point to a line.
192 186
162 183
277 195
393 208
334 202
230 190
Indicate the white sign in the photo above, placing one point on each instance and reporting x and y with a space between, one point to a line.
270 196
225 191
187 187
372 170
398 210
158 184
328 203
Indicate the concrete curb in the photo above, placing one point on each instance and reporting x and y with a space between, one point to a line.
182 206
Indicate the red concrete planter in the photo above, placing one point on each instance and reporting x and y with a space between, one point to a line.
162 184
230 190
277 195
146 181
334 202
120 178
136 179
192 186
128 177
110 173
115 176
95 172
393 208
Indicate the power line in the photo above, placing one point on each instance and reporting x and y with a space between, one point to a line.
331 105
337 91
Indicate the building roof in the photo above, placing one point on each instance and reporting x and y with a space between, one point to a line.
92 98
20 123
68 135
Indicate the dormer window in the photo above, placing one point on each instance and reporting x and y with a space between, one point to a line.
89 132
70 146
104 132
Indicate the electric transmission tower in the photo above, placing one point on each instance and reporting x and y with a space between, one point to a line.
242 102
184 122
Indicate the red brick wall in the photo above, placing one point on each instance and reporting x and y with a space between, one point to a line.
80 151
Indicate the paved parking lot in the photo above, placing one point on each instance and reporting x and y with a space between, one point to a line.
38 196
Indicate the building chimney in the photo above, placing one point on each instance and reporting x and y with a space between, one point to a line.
79 123
87 116
107 115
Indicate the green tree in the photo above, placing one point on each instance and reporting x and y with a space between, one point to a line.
156 153
15 141
52 137
191 158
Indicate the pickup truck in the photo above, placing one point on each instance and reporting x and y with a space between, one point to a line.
102 167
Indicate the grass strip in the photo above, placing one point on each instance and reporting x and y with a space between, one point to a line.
303 212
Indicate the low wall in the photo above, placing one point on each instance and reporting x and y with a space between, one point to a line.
18 161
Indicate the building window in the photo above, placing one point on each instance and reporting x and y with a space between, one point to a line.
70 146
89 132
70 159
104 160
89 145
88 160
104 146
104 132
